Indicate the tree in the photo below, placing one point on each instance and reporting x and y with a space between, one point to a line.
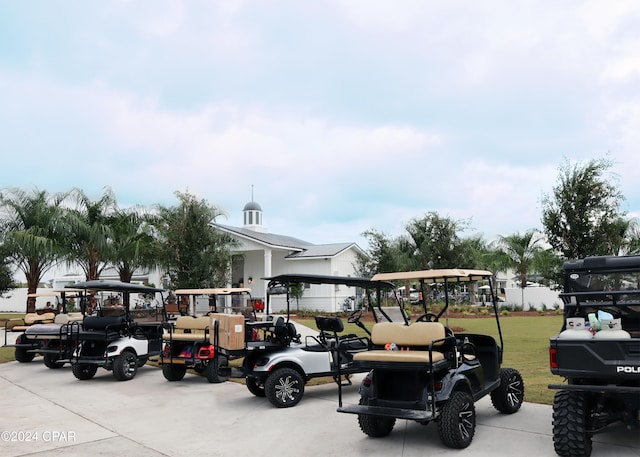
519 252
89 231
132 244
582 217
435 242
633 247
32 233
195 254
296 290
381 257
6 276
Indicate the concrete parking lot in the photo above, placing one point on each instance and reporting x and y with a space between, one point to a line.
49 412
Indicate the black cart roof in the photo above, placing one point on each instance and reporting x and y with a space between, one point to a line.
327 279
116 286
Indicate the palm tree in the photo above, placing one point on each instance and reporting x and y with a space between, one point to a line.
32 233
132 245
519 252
193 252
88 242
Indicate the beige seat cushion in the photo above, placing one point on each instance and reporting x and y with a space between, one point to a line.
33 318
381 355
418 337
188 328
416 334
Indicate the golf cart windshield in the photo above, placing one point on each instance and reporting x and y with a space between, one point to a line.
446 278
216 300
372 289
110 292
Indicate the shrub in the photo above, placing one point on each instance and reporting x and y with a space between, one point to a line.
505 312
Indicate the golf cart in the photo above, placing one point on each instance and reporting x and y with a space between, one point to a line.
597 352
48 337
190 341
424 372
110 338
279 364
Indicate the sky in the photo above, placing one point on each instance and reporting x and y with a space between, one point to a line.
335 116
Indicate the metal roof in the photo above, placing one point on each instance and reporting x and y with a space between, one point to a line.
270 239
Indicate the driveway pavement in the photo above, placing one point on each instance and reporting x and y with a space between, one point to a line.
50 413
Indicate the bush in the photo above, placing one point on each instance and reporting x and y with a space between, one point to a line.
505 312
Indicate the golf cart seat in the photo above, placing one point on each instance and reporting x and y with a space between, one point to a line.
423 343
189 328
329 327
20 325
56 330
285 332
99 328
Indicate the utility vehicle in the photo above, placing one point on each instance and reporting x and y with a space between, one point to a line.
110 338
424 372
280 363
600 363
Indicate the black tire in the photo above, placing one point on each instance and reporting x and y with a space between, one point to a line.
83 371
23 356
375 426
125 366
284 387
457 421
173 372
254 386
570 413
509 396
212 371
51 361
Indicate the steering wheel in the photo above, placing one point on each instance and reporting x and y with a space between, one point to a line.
427 317
354 316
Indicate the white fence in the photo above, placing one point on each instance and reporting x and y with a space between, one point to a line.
16 300
534 297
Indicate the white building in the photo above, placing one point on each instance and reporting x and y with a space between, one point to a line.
261 254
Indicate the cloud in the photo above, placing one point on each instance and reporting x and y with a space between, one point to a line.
343 115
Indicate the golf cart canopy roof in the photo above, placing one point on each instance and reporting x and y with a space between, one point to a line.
215 291
116 286
436 276
326 279
56 293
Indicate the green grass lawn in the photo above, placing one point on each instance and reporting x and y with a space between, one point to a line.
526 347
7 354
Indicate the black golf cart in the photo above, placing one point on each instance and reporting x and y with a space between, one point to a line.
426 373
110 337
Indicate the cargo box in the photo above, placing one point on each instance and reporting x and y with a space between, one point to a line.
230 331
